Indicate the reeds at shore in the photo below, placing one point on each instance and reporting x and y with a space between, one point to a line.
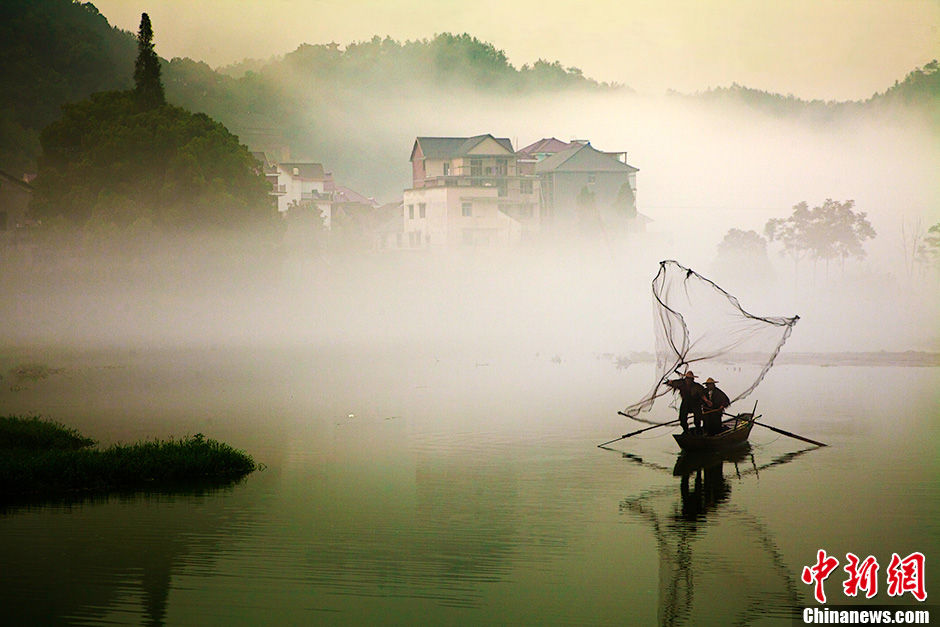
41 457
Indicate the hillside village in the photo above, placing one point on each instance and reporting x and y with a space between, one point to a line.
475 192
470 192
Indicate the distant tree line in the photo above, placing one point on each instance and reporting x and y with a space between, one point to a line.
351 107
128 162
355 106
54 52
919 91
828 232
447 59
831 231
61 51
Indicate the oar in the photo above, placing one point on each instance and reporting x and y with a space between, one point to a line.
627 435
792 435
781 431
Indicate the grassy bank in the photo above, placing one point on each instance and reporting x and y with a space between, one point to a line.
43 457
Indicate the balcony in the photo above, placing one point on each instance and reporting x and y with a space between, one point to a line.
314 195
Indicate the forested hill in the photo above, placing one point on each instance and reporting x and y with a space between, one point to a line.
328 102
59 51
445 60
919 92
53 51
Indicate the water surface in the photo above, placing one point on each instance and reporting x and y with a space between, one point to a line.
408 487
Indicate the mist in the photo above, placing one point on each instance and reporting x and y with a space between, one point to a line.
703 169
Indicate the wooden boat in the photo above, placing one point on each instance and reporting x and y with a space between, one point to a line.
699 324
734 433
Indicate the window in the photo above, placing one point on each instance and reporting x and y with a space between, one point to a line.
466 209
591 178
476 167
411 212
501 167
446 168
525 187
422 210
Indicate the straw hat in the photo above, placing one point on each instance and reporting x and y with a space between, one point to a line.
710 380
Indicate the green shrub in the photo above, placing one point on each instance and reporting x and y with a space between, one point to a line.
43 457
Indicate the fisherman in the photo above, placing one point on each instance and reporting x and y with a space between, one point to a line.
716 402
693 397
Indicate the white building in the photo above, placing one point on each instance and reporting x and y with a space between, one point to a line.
298 183
468 192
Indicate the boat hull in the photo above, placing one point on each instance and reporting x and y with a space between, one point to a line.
734 434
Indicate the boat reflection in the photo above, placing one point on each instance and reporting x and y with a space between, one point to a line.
718 564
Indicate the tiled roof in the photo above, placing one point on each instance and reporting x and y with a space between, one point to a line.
453 147
548 145
344 194
306 170
582 158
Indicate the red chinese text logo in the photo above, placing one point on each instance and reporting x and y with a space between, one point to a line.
864 576
818 573
903 575
907 575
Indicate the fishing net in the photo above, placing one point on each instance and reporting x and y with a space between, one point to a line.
703 328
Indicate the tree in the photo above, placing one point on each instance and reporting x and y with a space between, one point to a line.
838 232
53 51
148 86
793 233
625 205
830 231
928 249
589 220
742 256
911 238
106 162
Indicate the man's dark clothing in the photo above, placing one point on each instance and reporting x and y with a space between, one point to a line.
713 412
693 397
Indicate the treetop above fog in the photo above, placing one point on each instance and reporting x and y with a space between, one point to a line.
447 59
110 162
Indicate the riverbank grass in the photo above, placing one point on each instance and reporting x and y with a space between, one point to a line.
39 457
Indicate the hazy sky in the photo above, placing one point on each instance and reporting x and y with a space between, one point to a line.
829 49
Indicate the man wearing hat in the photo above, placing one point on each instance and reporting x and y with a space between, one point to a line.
693 397
716 402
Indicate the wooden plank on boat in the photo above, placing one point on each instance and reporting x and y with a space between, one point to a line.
735 432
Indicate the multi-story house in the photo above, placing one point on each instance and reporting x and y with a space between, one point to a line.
299 183
468 191
580 184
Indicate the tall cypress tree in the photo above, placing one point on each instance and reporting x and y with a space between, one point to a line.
149 88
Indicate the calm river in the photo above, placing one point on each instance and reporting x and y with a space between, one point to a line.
407 488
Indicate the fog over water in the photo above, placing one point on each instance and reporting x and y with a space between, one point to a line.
704 169
428 423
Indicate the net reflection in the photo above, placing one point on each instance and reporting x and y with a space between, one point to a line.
718 564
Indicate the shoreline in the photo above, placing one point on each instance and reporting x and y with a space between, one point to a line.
912 359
